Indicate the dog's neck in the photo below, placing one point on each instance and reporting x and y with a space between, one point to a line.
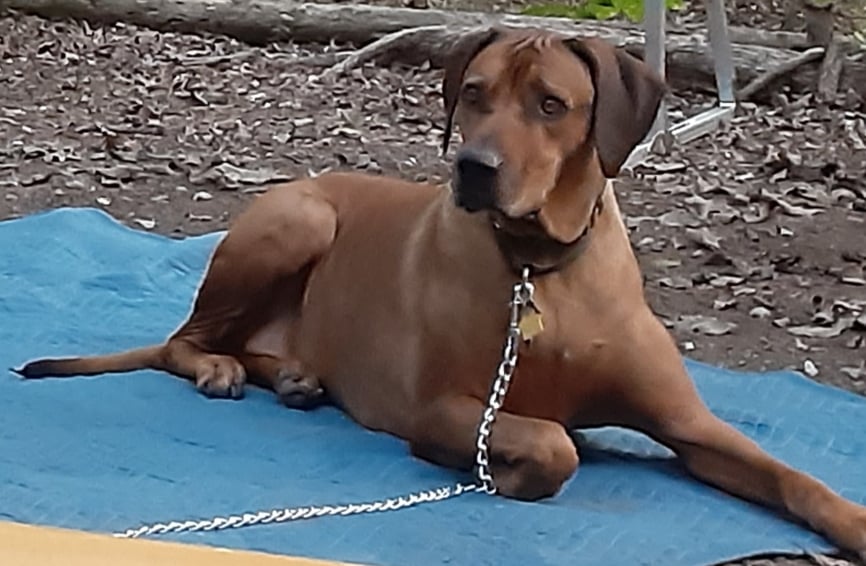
525 243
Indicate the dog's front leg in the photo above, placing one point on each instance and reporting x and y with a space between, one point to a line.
662 401
529 458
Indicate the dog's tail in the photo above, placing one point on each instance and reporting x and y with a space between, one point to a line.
141 358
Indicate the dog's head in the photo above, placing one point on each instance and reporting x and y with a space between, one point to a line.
544 120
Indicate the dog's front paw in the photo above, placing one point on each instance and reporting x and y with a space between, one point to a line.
861 528
847 528
298 391
221 377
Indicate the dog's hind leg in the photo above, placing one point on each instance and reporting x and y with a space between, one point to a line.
261 265
259 269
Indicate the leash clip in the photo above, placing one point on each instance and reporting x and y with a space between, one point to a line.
529 320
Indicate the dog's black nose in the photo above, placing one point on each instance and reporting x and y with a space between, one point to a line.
477 177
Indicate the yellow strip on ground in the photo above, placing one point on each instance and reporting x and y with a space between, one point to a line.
30 545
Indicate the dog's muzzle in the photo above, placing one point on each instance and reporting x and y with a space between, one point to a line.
477 179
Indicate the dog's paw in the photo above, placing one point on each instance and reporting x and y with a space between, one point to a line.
847 528
221 377
298 391
861 548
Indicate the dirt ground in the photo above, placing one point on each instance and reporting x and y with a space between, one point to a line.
752 240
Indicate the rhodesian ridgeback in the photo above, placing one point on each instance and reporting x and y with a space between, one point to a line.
391 299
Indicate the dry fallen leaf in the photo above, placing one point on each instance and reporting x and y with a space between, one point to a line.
787 207
678 218
676 282
232 177
726 281
856 373
146 223
760 312
708 325
756 213
723 304
853 280
853 306
824 317
667 263
668 166
704 237
840 326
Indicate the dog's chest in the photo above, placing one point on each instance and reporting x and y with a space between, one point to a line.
557 370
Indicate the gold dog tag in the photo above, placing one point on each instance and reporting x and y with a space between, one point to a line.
531 324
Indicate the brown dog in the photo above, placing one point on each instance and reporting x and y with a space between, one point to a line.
394 300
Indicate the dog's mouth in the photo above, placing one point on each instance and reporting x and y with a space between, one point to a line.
527 224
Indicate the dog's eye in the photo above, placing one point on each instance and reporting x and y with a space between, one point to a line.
471 93
552 106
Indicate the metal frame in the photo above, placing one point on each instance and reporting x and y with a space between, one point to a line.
654 54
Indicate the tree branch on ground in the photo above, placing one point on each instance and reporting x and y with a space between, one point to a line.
786 68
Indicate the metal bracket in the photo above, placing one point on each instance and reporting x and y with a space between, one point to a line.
705 122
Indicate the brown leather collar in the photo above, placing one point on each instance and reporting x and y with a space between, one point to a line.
541 253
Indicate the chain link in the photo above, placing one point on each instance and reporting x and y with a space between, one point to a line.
522 297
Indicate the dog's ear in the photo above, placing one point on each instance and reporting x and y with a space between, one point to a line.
627 97
458 58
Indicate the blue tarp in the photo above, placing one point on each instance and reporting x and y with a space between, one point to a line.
111 452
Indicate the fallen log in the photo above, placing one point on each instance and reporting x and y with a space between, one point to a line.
689 60
285 19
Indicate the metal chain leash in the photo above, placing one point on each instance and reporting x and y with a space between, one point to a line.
522 298
298 513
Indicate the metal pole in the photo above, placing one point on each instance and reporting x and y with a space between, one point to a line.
654 53
720 42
